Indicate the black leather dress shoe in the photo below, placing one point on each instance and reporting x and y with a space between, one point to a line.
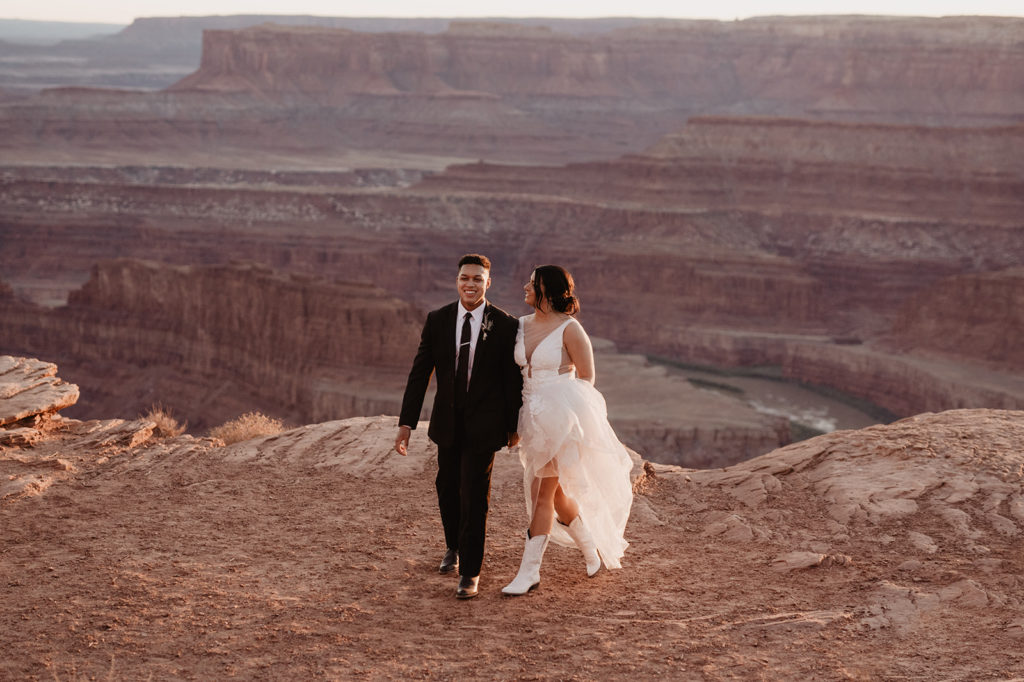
450 562
467 587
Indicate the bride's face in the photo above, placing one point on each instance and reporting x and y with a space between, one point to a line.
530 296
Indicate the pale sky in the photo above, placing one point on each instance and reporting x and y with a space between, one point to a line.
124 11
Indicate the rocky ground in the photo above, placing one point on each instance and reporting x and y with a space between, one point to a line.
892 552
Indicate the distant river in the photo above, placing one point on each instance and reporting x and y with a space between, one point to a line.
810 410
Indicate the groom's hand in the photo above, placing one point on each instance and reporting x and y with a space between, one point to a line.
402 440
513 439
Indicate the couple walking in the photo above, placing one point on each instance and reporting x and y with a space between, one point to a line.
502 382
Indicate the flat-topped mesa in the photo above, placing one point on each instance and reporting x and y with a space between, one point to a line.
852 69
477 60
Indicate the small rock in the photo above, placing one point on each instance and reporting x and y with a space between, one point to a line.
795 561
1016 505
1003 525
966 593
960 521
732 528
1016 628
959 490
19 438
922 542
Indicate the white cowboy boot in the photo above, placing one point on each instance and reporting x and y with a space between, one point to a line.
580 534
529 570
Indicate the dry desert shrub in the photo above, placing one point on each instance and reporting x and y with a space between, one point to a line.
249 425
166 425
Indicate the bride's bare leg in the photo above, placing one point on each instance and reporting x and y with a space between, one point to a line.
565 507
544 506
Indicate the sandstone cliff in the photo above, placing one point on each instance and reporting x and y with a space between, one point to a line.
212 342
840 67
868 554
155 52
989 323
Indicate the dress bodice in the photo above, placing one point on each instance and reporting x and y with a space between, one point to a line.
546 360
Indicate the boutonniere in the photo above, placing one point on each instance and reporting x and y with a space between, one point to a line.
488 323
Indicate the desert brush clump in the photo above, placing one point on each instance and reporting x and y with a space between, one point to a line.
249 425
166 425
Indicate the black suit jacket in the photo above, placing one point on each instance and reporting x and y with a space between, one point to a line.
495 384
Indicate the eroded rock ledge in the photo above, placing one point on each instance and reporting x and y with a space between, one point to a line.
30 390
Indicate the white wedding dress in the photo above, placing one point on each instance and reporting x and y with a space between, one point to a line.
564 432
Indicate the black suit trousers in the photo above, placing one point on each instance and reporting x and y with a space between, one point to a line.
463 496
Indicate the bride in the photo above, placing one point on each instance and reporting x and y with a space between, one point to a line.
576 472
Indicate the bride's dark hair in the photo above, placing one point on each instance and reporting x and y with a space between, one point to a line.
559 288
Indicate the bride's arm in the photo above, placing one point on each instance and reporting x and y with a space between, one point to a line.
577 345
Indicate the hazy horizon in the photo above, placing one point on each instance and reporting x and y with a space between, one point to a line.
124 12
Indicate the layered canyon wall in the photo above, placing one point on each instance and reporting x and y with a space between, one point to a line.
155 52
802 225
831 239
899 69
793 166
209 341
987 319
700 286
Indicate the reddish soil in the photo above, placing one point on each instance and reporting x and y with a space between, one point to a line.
313 555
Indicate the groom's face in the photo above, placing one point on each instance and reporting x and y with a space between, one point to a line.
472 283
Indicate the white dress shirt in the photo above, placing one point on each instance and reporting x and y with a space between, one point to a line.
476 319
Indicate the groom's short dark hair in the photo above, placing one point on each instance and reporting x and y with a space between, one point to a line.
475 259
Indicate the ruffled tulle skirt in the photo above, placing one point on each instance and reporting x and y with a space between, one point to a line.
564 432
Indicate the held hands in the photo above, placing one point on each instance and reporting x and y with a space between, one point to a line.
402 440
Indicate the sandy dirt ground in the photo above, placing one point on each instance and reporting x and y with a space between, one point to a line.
313 555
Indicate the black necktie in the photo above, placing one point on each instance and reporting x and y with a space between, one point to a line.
462 367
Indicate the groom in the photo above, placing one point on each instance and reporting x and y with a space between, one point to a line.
469 345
